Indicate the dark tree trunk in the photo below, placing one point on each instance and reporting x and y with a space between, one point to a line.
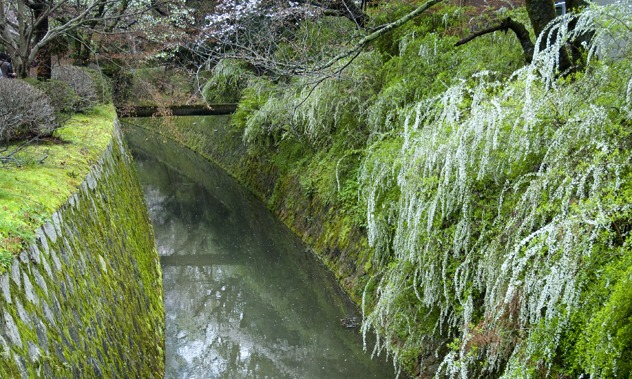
353 12
346 8
43 57
541 12
577 49
81 54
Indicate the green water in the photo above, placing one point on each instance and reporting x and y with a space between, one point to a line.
243 297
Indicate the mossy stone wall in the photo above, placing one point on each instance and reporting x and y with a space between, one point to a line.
85 299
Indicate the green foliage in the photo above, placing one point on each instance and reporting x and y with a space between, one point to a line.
339 106
317 40
601 343
442 19
605 345
495 196
608 346
5 260
264 114
311 112
229 78
427 63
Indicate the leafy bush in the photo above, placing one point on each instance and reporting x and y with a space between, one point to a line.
263 113
310 110
607 344
314 42
230 77
61 95
81 82
24 110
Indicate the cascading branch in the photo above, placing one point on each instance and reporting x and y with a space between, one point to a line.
503 215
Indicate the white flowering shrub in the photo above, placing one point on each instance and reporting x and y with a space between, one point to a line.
502 211
229 78
312 110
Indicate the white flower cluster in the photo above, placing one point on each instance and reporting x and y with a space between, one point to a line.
232 16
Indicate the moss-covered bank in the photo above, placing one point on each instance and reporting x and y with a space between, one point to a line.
84 299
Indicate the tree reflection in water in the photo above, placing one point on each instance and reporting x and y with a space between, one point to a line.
242 298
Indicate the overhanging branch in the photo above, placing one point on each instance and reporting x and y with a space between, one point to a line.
361 44
518 28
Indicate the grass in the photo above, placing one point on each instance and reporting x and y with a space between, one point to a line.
49 172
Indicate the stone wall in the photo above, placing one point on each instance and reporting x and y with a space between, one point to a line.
85 299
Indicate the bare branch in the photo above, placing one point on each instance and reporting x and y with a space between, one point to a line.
518 28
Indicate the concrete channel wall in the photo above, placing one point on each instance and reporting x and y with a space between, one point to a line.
85 299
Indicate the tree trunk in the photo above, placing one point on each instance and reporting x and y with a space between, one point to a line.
577 49
43 57
541 12
81 54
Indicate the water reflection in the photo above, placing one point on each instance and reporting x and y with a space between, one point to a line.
242 297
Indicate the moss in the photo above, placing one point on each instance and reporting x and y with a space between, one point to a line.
51 171
95 307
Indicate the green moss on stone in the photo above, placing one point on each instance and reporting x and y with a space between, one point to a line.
89 284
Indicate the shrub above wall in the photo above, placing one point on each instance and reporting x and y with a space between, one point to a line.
82 84
25 111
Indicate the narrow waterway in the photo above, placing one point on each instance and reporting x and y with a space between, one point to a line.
243 297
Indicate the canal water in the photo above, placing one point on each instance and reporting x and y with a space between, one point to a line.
243 296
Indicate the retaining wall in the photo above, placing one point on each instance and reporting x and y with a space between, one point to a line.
85 299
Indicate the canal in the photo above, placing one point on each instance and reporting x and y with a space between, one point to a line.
244 298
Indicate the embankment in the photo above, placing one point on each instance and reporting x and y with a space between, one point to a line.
85 298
